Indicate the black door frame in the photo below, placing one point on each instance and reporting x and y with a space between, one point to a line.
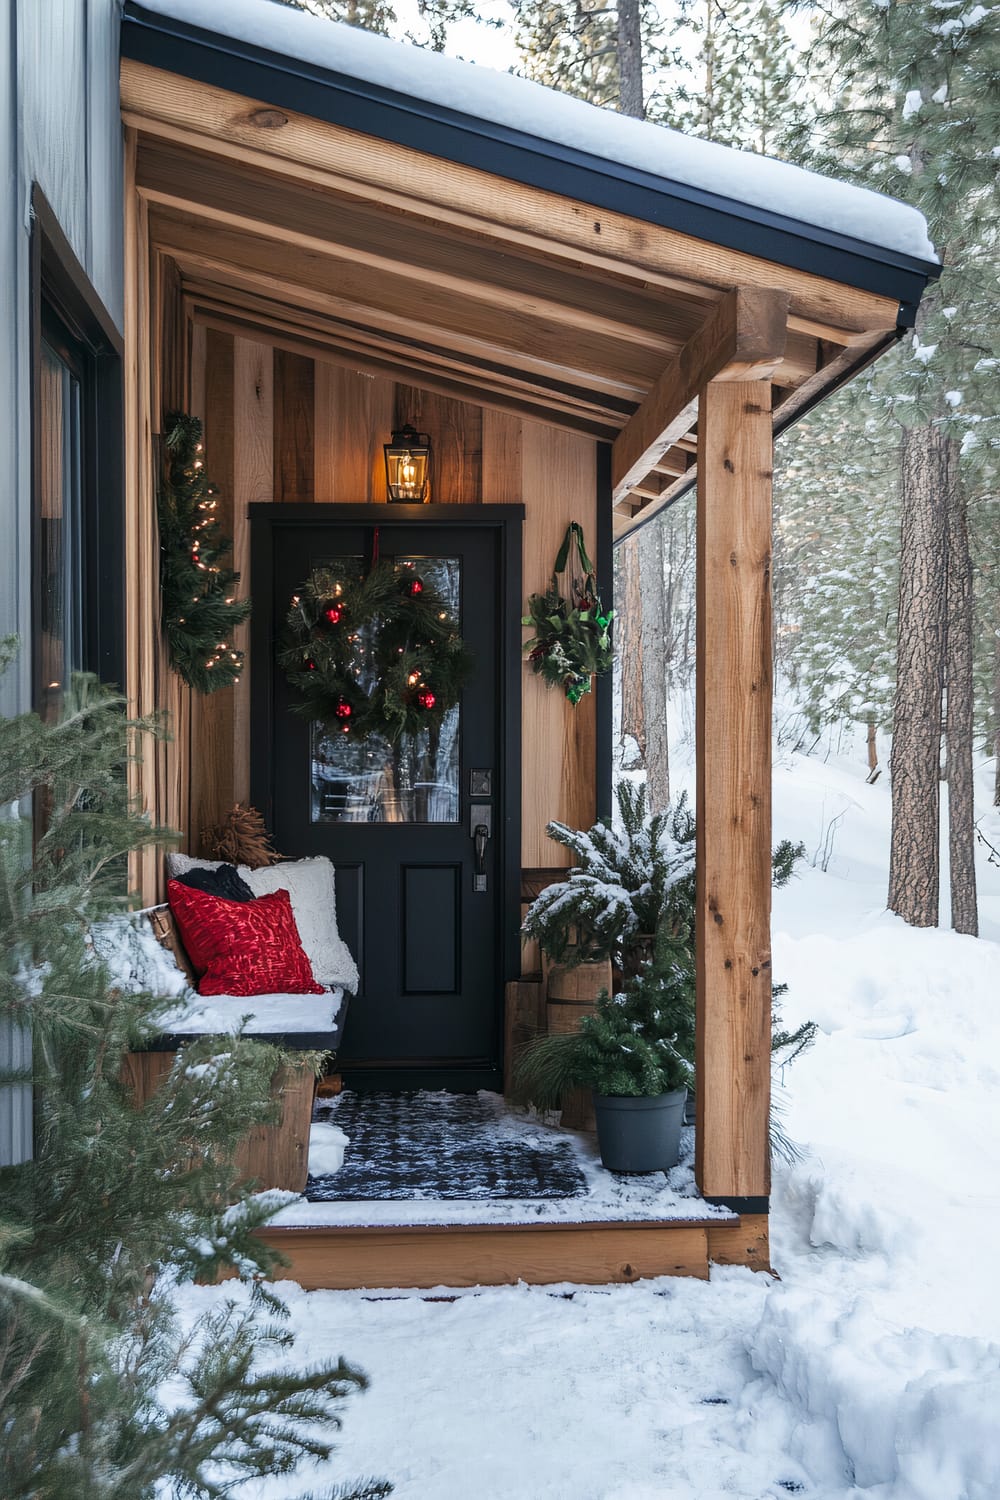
507 521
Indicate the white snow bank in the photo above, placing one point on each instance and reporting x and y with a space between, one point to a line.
136 961
871 1371
327 1144
528 107
912 1411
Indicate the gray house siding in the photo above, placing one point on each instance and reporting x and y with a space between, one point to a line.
59 128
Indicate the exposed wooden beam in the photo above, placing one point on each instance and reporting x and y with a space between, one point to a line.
743 339
244 295
212 119
733 755
296 342
232 194
363 291
408 353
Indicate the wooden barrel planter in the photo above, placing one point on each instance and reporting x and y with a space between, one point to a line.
572 994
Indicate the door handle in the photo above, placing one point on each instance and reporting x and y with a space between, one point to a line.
480 839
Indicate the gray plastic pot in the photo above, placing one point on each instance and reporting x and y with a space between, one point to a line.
639 1134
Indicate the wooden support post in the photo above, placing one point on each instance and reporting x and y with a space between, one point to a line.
735 456
743 338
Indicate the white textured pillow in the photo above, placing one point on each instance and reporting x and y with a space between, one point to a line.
310 885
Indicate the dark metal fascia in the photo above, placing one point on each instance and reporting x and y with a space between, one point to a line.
357 104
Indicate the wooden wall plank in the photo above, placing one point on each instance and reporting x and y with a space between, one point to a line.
559 742
253 481
294 383
212 716
173 350
733 734
503 445
455 429
139 549
354 416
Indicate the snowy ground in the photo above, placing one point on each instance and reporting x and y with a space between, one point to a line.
869 1371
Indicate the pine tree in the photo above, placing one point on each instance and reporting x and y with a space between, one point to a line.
836 575
120 1204
741 87
368 15
914 110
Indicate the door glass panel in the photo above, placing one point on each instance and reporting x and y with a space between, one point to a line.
372 781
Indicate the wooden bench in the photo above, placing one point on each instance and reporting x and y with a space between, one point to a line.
275 1156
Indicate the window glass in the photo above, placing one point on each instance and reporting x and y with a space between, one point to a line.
60 529
372 781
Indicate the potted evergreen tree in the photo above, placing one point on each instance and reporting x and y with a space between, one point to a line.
630 899
636 1052
629 877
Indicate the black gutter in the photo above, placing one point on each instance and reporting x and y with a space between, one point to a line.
339 99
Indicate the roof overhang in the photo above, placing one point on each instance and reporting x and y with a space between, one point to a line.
358 104
325 214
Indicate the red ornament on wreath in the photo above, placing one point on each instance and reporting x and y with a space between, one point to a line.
415 587
426 699
342 709
333 612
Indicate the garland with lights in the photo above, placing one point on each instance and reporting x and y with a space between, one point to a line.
198 607
572 639
380 654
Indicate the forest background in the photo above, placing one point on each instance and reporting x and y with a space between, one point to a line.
887 519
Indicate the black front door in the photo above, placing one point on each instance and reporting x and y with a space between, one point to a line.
420 887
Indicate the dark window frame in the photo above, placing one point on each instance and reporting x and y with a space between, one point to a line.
69 316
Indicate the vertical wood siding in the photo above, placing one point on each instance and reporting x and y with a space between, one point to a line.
280 427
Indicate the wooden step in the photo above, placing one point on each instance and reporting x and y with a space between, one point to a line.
596 1253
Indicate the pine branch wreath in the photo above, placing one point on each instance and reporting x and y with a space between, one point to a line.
572 640
199 610
375 655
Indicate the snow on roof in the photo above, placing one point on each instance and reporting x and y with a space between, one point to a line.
517 104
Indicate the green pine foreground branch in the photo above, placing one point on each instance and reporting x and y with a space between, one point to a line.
103 1394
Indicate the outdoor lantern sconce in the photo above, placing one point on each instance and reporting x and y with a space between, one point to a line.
407 464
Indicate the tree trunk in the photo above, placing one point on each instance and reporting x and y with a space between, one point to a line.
654 665
996 711
630 100
960 710
628 631
872 751
914 865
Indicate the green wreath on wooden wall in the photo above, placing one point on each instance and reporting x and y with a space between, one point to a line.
572 640
199 611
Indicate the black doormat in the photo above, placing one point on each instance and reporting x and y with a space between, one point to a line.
444 1146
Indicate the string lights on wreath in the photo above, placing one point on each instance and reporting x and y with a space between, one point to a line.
375 655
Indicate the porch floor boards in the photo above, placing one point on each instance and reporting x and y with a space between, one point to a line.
613 1233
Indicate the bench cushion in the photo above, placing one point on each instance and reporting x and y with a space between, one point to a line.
303 1022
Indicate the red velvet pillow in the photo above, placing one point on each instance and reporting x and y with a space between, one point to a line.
242 947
